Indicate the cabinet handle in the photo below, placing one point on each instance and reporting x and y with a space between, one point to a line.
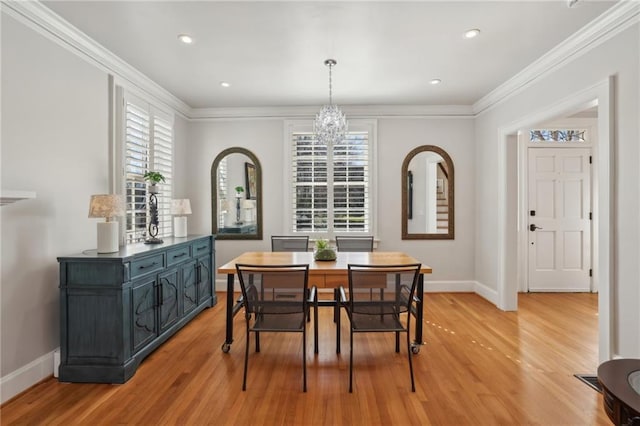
148 266
175 256
157 295
201 248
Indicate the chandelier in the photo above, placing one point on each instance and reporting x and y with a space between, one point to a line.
331 124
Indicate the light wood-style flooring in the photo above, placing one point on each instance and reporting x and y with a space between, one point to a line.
480 366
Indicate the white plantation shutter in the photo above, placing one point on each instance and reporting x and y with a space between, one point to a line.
137 155
223 191
330 191
163 163
148 146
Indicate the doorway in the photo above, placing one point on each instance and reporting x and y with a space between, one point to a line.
513 230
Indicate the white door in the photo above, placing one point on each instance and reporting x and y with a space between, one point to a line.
559 225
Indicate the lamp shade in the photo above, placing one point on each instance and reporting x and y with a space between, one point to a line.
106 205
248 204
180 206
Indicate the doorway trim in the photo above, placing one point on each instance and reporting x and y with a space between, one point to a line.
602 95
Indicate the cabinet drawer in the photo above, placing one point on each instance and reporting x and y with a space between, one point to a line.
178 255
201 247
147 265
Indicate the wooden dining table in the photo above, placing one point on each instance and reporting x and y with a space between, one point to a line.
322 274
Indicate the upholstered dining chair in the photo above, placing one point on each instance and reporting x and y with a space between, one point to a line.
384 314
277 299
354 243
289 243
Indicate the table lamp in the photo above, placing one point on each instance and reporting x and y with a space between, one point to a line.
180 208
108 206
248 206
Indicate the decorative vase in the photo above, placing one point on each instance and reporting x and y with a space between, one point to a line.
324 254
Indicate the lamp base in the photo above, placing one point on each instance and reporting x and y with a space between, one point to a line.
108 237
153 240
180 226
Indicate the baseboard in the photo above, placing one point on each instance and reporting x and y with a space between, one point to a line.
221 285
448 286
487 293
23 378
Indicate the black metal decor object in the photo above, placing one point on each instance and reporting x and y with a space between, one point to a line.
238 210
153 212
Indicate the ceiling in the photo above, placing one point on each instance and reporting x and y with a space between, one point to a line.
272 53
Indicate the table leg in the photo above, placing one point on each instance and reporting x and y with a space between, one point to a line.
420 310
226 346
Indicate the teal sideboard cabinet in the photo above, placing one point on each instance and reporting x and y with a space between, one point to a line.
116 308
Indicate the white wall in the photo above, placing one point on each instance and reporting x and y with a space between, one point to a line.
452 260
54 142
617 57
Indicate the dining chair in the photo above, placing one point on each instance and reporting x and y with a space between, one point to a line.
374 315
354 243
361 243
276 299
289 243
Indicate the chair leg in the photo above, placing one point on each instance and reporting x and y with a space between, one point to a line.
397 341
351 361
336 318
304 359
413 384
246 361
257 341
315 326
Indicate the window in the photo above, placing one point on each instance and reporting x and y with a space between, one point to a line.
556 135
148 146
330 188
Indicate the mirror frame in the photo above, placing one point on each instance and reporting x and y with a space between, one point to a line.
214 196
450 193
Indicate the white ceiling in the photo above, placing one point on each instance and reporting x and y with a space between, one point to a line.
272 53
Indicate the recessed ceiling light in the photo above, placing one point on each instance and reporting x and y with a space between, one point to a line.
435 81
471 33
185 38
225 84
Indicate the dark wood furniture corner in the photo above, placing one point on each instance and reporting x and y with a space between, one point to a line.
621 402
116 308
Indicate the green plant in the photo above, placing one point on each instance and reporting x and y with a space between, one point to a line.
322 244
239 189
323 251
154 177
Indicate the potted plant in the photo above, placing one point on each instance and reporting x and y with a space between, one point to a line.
323 251
153 178
239 191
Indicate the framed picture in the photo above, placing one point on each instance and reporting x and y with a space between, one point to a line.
250 180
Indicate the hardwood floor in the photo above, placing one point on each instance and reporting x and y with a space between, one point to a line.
480 366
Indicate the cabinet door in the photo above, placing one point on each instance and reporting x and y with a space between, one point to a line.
204 278
168 284
144 325
189 287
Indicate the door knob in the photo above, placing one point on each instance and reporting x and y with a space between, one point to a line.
533 227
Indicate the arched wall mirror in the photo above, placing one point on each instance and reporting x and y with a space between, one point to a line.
236 195
427 194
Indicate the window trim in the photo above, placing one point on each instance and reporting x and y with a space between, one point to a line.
355 125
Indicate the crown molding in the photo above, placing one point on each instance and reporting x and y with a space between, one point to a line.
43 20
611 23
352 111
